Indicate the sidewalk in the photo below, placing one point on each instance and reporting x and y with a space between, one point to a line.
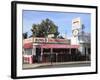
35 65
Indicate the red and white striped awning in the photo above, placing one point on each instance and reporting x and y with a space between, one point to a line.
58 46
30 45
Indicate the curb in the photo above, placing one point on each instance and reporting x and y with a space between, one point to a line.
32 66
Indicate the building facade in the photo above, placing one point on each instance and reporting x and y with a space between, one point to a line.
48 50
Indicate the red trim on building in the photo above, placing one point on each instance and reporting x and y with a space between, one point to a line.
28 45
58 46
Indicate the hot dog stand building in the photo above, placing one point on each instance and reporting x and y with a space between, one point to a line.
47 49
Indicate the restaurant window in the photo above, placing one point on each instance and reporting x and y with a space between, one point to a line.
28 51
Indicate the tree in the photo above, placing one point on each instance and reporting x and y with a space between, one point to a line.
25 35
35 29
44 28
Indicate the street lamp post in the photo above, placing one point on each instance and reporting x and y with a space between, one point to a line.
51 57
47 31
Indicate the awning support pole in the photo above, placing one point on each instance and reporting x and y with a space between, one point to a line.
76 50
70 54
51 56
70 50
41 54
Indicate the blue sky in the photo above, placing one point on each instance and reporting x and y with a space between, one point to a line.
62 19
